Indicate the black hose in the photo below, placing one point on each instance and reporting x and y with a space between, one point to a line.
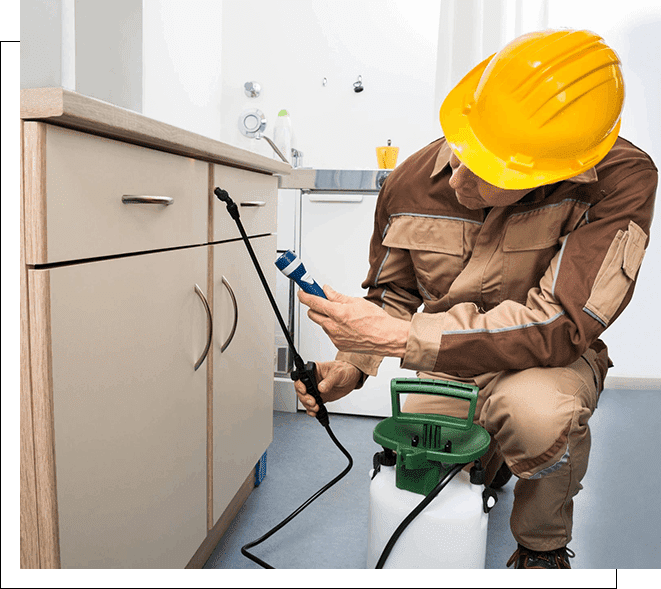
308 376
259 561
411 516
306 373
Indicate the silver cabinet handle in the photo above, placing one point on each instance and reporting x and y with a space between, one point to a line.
199 292
236 316
253 203
143 199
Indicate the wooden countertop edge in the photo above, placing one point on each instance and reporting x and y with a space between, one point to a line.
70 109
299 178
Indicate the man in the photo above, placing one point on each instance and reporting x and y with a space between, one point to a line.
521 232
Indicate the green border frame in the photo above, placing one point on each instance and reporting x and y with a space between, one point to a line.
12 576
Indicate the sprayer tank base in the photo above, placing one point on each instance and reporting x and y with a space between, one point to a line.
450 533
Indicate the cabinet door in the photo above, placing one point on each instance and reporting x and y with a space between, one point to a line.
129 409
243 371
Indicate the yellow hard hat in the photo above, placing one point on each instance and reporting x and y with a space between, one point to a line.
545 108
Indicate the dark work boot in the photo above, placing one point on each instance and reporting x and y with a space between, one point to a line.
524 558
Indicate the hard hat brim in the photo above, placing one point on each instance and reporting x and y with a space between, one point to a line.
455 114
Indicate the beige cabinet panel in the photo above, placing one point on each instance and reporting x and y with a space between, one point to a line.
129 409
243 373
75 201
136 454
257 198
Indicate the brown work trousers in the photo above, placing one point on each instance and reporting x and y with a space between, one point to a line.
538 421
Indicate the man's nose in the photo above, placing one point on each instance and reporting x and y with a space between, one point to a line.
461 176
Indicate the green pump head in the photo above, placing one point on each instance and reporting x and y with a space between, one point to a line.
426 443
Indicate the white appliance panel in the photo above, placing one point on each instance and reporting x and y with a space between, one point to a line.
335 234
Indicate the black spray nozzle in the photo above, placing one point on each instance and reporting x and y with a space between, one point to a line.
223 195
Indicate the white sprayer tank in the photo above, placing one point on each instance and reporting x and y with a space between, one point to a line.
422 454
450 533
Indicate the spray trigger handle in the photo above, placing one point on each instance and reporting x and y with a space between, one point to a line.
308 378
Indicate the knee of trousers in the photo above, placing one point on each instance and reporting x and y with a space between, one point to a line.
539 417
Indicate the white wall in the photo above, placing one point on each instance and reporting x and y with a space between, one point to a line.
91 46
293 45
289 47
41 44
108 48
181 63
633 29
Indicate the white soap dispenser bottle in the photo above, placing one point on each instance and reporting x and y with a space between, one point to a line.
282 134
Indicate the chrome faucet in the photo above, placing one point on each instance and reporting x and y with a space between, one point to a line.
296 158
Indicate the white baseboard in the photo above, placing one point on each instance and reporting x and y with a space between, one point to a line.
633 383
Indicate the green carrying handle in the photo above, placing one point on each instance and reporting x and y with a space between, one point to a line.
423 452
442 388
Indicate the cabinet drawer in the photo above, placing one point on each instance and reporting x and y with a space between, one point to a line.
74 198
257 197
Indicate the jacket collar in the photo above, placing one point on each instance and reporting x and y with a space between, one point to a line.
443 159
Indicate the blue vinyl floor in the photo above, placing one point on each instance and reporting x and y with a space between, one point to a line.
617 516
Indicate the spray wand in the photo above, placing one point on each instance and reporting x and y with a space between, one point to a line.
305 372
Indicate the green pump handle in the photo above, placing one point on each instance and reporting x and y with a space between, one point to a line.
455 390
422 450
417 438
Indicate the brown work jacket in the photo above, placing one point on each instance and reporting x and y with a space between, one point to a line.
507 288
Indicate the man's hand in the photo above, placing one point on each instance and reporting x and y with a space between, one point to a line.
334 379
356 325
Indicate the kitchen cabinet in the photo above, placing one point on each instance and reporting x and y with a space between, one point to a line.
129 409
242 372
242 376
140 428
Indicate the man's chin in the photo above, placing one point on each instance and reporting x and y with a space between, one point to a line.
470 202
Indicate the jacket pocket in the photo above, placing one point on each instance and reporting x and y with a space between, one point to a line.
436 246
617 273
542 228
418 232
531 240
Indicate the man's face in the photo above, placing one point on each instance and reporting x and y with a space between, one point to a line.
475 193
